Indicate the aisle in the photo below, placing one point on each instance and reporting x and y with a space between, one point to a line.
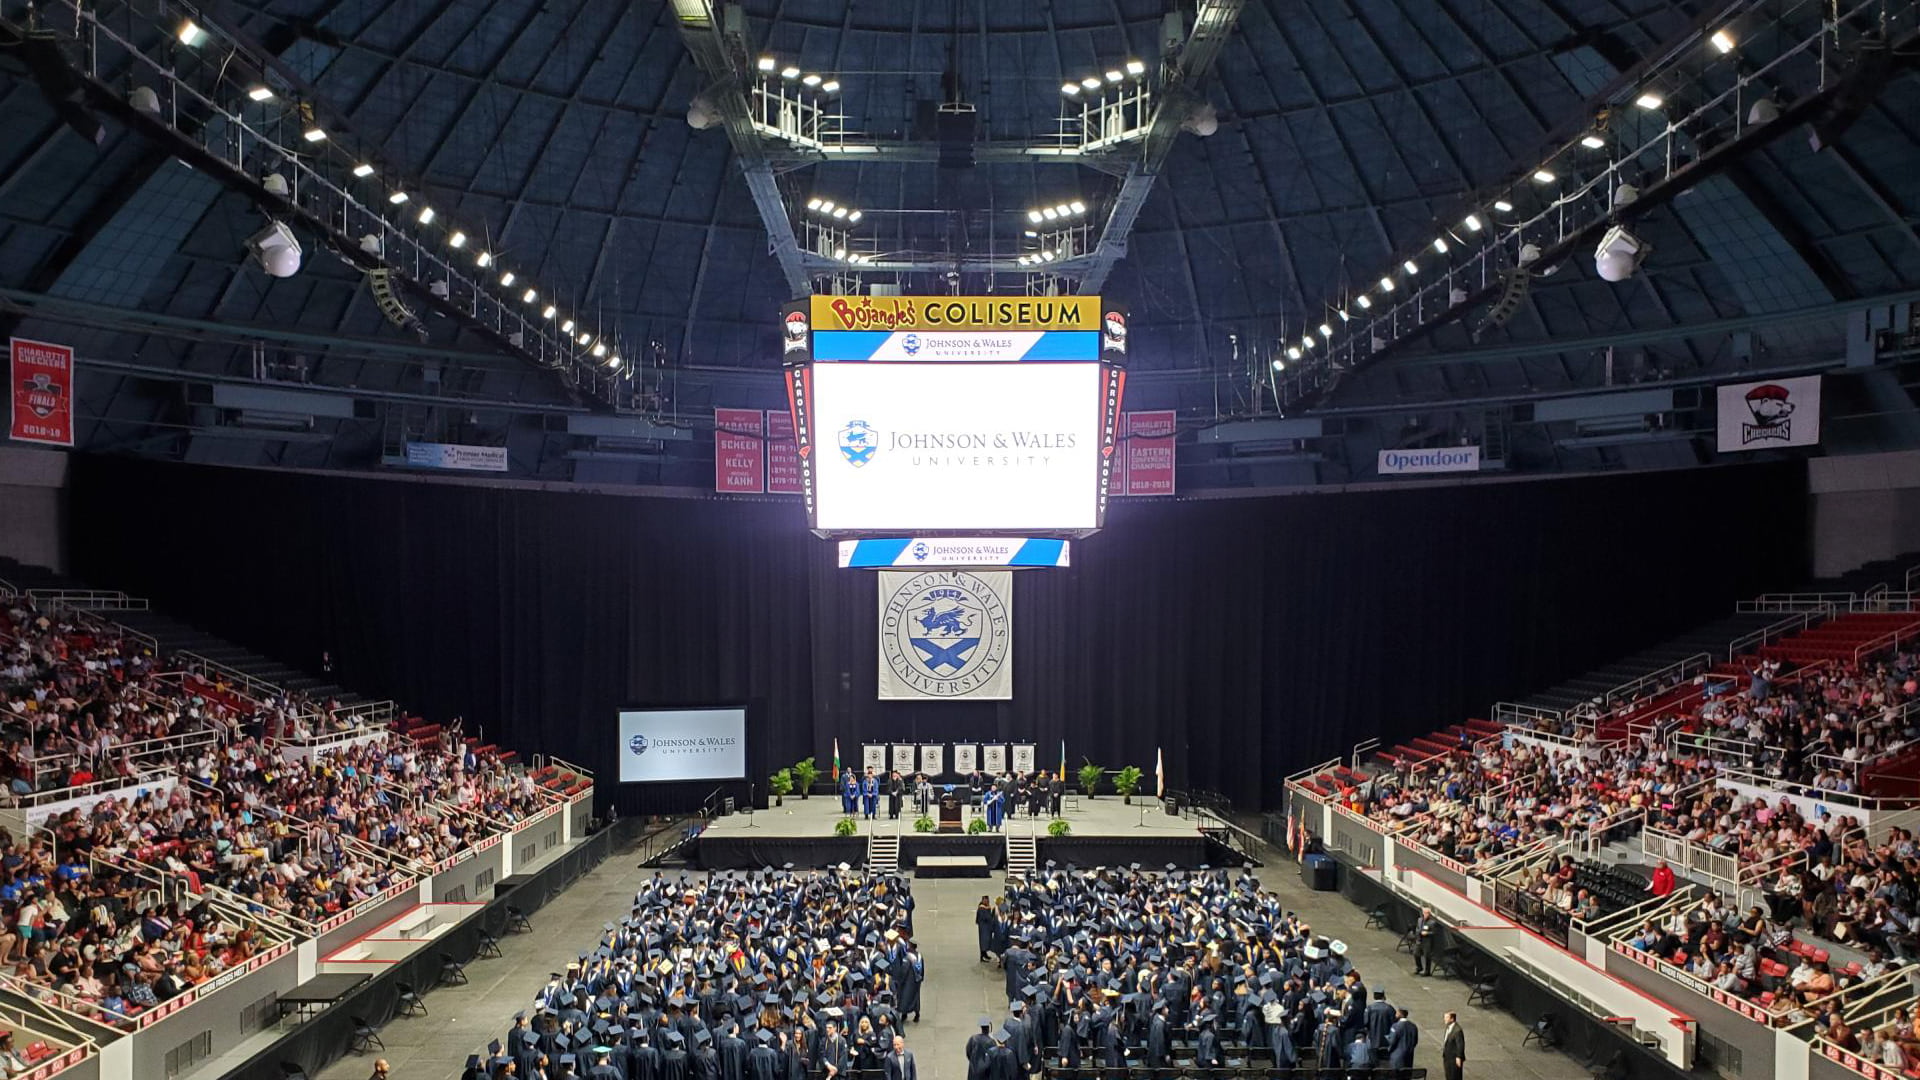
959 989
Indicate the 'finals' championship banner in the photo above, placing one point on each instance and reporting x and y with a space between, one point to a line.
946 635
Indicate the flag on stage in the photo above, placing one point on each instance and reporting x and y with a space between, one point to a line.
1160 771
1063 760
836 759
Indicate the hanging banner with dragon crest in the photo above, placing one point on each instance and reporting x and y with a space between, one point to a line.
946 635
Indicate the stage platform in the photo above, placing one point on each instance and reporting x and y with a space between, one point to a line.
1106 832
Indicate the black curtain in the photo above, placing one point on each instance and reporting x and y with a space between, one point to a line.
1244 637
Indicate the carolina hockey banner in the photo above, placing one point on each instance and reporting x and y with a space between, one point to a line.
1767 415
946 635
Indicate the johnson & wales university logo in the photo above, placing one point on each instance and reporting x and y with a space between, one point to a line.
945 633
858 441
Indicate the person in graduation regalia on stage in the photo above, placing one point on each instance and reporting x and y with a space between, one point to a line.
996 803
849 792
870 795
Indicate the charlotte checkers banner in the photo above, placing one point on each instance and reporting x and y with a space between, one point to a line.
946 635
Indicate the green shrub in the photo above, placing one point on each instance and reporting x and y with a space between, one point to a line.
846 826
977 825
923 823
805 772
1128 781
1058 827
1090 775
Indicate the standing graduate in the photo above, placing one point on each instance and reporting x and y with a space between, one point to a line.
849 792
896 795
870 796
986 926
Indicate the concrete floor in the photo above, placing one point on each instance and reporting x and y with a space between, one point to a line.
959 988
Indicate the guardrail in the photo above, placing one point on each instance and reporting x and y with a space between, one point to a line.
1673 674
1695 860
1800 618
88 599
1887 640
37 799
1767 603
216 672
1521 715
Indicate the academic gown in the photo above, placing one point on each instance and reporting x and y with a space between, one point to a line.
994 805
1157 1042
1206 1050
733 1058
1113 1047
1328 1046
1284 1054
849 795
1380 1018
896 796
1072 1038
870 796
1000 1064
1401 1042
978 1048
986 926
913 972
1020 1041
673 1065
763 1063
703 1064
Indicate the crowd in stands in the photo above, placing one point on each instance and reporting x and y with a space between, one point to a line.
774 973
1111 968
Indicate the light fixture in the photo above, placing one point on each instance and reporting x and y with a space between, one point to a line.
584 339
1064 209
1293 352
1281 365
1029 232
1503 206
811 79
839 211
599 350
813 203
276 250
1544 176
1386 284
1306 341
1410 267
483 259
275 185
1077 206
826 206
1649 100
506 279
1473 223
613 362
1047 256
426 215
1326 331
853 217
1033 216
529 296
363 170
1050 213
1440 244
840 253
567 327
1593 142
1090 83
314 133
397 198
1363 300
549 311
260 93
1135 67
1071 89
1722 41
1620 253
190 33
831 86
372 245
790 72
766 63
1344 317
458 239
1113 75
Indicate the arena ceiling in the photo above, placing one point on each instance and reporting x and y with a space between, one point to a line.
595 150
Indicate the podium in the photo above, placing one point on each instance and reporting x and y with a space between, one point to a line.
950 816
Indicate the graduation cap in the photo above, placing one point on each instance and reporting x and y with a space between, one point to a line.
473 1062
986 1023
834 1012
1000 1035
763 1035
603 1050
1135 867
1033 991
566 1059
880 964
1016 1006
674 1038
521 1015
702 1036
1339 948
616 1031
530 1040
493 1048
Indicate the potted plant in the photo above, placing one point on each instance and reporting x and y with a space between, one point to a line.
846 826
1058 827
1126 782
977 825
780 784
805 772
1090 778
923 823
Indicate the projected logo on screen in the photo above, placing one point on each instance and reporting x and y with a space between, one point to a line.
858 441
945 633
637 744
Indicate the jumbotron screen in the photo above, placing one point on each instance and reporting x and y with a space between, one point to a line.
982 429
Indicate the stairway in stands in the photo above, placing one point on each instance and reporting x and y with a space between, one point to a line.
1022 854
1711 638
1842 638
883 852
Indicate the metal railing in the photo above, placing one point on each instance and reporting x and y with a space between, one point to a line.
1519 714
1695 860
214 671
1798 619
88 599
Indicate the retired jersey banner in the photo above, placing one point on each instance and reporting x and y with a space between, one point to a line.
1770 415
946 635
42 392
783 455
739 452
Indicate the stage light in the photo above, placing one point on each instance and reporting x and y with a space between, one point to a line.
314 133
853 217
426 215
567 327
826 206
1620 253
813 203
766 63
599 351
1386 284
839 211
397 198
483 260
1029 232
1440 244
1281 365
1090 83
1047 255
840 253
1593 142
1410 267
458 239
1078 207
790 72
275 185
1135 67
1544 176
1364 302
190 33
1624 195
831 86
1722 41
1293 352
1503 206
613 362
811 80
584 339
1649 100
1473 223
276 250
1033 216
506 279
363 170
1050 213
1306 341
1114 76
1326 331
549 311
372 245
1064 210
1071 89
529 296
260 93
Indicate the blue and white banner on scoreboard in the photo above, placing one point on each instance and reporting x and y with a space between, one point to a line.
966 346
952 551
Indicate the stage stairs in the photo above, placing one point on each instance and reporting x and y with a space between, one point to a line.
1022 854
883 853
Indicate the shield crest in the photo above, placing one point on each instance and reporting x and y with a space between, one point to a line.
858 441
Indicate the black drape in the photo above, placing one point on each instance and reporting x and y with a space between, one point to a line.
1246 637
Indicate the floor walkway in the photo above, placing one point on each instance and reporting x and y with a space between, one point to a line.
959 988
